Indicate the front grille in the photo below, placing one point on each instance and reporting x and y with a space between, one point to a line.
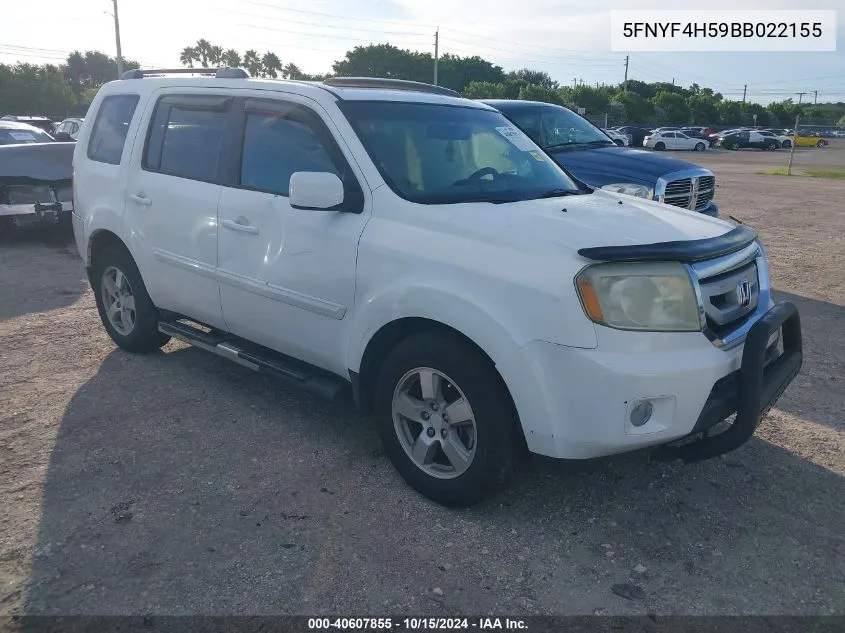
731 297
680 192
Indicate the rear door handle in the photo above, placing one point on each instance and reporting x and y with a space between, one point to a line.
240 224
140 199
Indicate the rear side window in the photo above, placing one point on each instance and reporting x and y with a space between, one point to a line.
184 141
110 128
275 148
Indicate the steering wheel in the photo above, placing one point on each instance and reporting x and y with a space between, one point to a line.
484 171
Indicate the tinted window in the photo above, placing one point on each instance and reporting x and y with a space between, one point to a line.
185 141
552 126
110 128
23 135
275 148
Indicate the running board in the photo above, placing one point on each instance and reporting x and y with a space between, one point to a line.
314 380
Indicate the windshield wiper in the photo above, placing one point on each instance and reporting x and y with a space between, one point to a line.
595 143
558 193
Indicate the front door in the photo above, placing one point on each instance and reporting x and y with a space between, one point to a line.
287 276
171 204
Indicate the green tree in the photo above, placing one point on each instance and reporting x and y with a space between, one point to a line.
215 56
485 90
203 51
841 122
644 90
535 77
637 109
270 64
231 58
594 100
730 112
673 105
532 92
292 71
188 56
703 107
252 63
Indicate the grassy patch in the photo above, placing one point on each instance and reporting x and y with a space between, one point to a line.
836 174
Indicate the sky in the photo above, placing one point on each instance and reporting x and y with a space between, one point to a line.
569 39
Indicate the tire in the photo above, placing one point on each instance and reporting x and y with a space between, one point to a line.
138 329
491 444
699 147
821 144
786 144
660 146
771 147
734 146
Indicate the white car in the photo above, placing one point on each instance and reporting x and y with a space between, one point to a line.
70 127
673 140
414 248
619 138
783 140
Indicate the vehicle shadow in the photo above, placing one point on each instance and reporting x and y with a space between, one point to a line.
40 270
183 484
818 393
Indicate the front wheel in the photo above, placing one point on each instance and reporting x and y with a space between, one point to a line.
125 308
733 146
699 147
445 419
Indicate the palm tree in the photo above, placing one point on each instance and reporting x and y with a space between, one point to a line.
252 63
231 58
271 64
188 56
292 71
203 50
215 55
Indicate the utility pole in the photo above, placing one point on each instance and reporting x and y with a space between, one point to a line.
792 147
815 96
800 96
575 82
117 40
744 92
436 52
625 82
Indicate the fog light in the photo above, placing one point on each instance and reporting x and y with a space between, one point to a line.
641 413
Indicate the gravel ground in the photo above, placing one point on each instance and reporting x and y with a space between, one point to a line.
178 483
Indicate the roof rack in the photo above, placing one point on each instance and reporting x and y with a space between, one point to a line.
391 84
219 73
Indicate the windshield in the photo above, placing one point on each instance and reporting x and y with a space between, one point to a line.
442 154
11 136
551 126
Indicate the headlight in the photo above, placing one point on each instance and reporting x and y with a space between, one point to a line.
631 189
655 296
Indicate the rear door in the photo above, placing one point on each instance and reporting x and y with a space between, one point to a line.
171 199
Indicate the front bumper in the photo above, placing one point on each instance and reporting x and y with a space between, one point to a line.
577 403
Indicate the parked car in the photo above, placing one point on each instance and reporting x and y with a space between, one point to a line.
35 184
747 139
13 133
804 140
698 132
637 134
428 256
783 140
617 137
586 153
68 129
40 122
674 140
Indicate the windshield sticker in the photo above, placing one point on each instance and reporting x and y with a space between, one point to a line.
536 156
22 136
519 140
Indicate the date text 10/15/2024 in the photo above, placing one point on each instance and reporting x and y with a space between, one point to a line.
417 624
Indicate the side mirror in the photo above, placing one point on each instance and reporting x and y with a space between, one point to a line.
319 190
62 136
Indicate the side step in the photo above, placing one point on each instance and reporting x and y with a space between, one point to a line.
261 359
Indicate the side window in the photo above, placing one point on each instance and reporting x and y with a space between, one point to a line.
275 148
184 141
110 128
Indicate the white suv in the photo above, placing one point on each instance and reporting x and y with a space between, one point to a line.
393 240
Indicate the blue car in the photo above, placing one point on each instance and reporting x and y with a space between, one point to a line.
590 156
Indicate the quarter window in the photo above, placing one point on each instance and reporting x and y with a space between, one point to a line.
111 127
275 148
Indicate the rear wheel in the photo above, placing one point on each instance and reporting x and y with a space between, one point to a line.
660 146
787 144
445 419
771 146
734 146
699 147
821 144
125 308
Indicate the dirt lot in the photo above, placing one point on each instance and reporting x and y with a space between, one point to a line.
179 483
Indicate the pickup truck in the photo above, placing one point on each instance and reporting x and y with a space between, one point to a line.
590 156
35 185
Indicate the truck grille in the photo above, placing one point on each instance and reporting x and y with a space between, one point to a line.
693 192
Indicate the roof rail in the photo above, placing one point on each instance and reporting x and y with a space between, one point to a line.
219 73
391 84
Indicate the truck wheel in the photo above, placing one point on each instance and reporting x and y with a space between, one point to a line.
125 308
699 147
660 146
445 419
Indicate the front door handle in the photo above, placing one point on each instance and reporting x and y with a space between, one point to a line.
240 224
140 198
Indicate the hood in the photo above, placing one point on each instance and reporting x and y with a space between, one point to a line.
598 166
